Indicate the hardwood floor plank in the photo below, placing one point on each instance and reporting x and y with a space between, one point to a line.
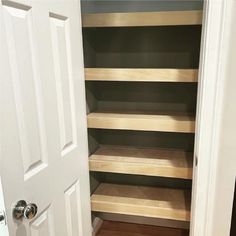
110 228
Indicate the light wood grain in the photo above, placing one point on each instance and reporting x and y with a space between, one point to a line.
142 201
142 75
144 220
142 161
110 228
165 18
145 122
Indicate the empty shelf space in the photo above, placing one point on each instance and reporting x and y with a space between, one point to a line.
143 122
142 75
142 201
142 161
161 47
165 18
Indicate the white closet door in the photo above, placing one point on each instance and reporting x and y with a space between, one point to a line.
43 118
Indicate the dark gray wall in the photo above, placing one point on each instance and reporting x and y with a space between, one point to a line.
97 6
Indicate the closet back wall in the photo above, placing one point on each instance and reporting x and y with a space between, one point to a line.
142 47
102 6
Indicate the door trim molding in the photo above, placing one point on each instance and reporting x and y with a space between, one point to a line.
211 82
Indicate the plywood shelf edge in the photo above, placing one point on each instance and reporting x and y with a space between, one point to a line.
141 75
141 122
134 19
142 161
142 201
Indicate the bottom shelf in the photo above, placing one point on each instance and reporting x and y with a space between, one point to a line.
154 202
110 228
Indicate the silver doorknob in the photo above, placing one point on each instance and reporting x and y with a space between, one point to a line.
24 210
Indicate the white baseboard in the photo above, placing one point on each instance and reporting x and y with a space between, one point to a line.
97 223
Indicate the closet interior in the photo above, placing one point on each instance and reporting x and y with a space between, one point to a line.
141 72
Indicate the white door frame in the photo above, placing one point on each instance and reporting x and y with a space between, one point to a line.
211 82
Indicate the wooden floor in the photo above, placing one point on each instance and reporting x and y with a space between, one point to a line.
124 229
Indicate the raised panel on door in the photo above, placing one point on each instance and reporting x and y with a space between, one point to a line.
64 81
43 225
73 210
27 87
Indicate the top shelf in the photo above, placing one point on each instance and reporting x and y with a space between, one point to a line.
135 19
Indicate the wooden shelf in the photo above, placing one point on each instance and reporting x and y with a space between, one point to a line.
142 75
165 18
142 161
145 122
142 201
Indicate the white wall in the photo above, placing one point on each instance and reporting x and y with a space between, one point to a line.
226 154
